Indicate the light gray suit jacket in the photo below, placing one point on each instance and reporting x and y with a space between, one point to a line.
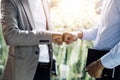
19 34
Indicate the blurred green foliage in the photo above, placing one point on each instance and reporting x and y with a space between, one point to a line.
71 60
3 52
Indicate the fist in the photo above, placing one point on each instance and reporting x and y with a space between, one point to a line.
69 37
95 69
57 38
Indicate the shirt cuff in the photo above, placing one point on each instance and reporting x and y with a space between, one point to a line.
107 61
87 35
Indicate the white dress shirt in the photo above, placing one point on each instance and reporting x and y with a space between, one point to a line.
106 34
40 24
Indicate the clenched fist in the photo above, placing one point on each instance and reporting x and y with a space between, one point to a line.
69 37
57 38
95 69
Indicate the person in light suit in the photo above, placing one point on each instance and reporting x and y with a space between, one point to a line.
106 38
25 26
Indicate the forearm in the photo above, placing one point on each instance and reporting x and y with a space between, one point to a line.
18 37
112 58
90 34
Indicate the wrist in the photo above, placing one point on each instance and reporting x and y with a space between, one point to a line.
100 64
75 34
80 34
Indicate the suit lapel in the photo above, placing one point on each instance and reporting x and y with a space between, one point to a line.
27 10
47 13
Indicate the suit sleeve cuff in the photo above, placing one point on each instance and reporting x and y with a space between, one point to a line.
45 37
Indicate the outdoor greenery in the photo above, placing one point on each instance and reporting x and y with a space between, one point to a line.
3 52
71 60
66 16
71 16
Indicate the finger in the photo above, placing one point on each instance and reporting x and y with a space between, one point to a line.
58 41
70 39
100 76
69 42
66 41
92 74
66 38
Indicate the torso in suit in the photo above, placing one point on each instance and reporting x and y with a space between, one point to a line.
19 34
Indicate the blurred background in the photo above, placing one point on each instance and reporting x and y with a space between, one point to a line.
67 16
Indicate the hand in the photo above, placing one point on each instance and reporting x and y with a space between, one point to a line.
57 38
95 69
69 37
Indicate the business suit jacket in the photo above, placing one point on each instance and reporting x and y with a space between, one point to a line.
23 39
